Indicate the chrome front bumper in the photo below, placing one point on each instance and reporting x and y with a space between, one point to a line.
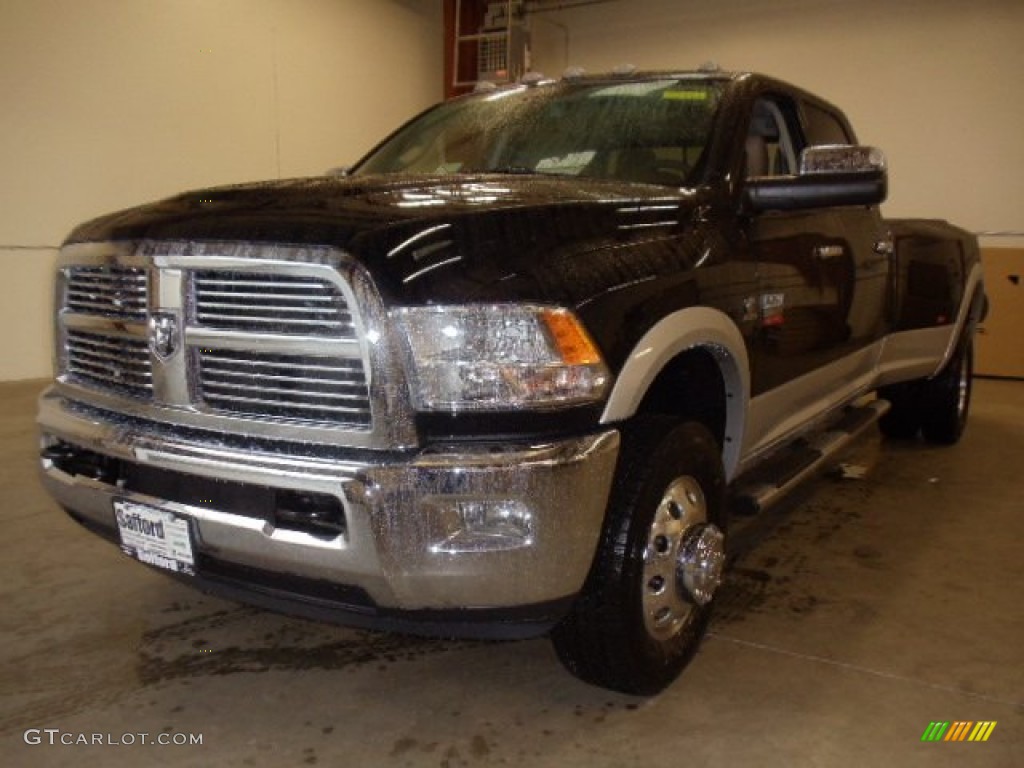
454 528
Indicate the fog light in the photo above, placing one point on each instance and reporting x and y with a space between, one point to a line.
480 525
315 513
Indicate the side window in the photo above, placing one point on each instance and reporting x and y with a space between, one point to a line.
773 141
823 127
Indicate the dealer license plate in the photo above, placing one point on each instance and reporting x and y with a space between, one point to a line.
155 536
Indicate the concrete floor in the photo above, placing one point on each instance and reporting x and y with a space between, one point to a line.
852 618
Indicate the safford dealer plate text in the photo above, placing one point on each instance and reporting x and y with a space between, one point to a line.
155 536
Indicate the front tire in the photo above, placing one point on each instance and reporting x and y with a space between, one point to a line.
648 598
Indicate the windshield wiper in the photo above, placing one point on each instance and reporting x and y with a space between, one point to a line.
512 170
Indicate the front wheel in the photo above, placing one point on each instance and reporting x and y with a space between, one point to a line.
648 598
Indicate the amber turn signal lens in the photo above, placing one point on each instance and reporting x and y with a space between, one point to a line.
573 343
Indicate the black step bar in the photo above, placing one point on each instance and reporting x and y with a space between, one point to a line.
771 481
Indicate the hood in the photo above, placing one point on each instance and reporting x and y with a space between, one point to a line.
423 239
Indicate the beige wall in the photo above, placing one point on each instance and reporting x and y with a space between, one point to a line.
935 83
110 103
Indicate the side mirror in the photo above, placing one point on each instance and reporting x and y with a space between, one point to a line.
841 158
830 176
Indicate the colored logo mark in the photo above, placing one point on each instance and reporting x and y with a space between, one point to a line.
959 730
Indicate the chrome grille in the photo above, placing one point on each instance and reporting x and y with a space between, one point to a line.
109 291
271 303
269 340
305 387
114 363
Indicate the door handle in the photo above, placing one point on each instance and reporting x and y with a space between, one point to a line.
885 247
824 252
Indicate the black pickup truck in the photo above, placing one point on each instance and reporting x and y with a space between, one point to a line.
505 376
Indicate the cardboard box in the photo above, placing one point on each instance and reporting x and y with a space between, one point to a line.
999 344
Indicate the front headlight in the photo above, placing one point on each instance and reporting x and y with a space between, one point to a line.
499 357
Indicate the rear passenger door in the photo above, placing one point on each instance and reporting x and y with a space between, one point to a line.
805 266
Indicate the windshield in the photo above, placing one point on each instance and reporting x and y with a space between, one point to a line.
652 132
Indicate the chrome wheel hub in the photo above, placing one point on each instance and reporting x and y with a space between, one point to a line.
700 563
683 560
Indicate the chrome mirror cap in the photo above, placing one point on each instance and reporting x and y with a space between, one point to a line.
841 158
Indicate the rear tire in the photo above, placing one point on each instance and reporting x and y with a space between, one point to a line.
903 420
648 598
949 399
936 407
